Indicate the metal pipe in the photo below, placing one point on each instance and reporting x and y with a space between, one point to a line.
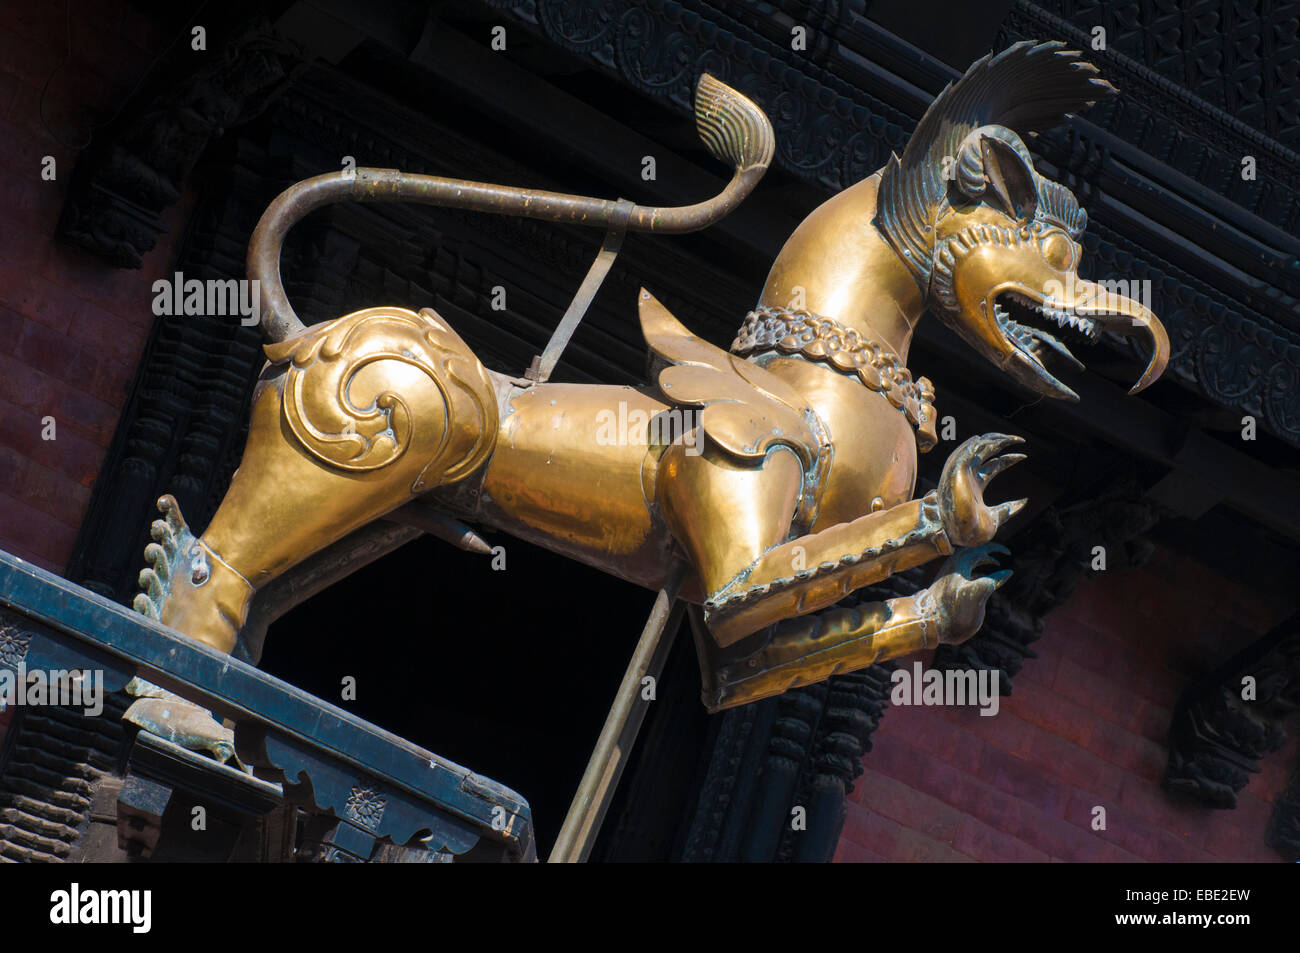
419 514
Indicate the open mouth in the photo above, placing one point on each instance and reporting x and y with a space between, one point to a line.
1024 320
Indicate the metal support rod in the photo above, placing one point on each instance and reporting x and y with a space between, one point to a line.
545 364
427 518
609 757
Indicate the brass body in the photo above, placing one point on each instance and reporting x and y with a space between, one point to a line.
787 485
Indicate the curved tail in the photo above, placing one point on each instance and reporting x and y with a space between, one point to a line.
732 127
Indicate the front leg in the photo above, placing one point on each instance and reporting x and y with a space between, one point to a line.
808 649
819 569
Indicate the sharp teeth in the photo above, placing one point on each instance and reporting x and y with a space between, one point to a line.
1046 340
1033 341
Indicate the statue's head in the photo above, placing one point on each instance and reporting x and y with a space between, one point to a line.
993 244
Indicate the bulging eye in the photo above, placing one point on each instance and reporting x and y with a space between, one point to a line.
1058 251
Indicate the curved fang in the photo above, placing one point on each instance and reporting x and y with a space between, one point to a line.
1159 348
1126 317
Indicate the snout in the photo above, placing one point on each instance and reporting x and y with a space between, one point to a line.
1124 316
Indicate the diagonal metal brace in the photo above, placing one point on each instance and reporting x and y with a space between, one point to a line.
617 738
542 367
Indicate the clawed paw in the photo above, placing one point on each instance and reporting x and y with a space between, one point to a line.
960 592
170 553
181 722
967 519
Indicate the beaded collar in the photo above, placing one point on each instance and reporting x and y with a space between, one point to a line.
826 341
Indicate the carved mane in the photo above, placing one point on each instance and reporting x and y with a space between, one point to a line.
1027 87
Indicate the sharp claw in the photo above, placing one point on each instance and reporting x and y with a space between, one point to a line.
998 464
968 561
993 443
1000 577
157 558
171 511
1004 511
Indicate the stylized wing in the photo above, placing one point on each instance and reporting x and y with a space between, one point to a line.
746 409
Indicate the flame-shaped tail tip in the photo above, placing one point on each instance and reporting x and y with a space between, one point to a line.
732 126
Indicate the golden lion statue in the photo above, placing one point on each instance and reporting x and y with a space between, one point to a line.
788 480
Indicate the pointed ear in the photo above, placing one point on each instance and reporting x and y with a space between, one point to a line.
1010 178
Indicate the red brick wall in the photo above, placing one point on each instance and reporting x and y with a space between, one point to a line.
71 328
1086 726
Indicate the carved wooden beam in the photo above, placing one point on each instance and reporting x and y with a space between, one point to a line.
125 180
780 769
1231 719
1284 826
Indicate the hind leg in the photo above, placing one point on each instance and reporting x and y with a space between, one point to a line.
350 420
